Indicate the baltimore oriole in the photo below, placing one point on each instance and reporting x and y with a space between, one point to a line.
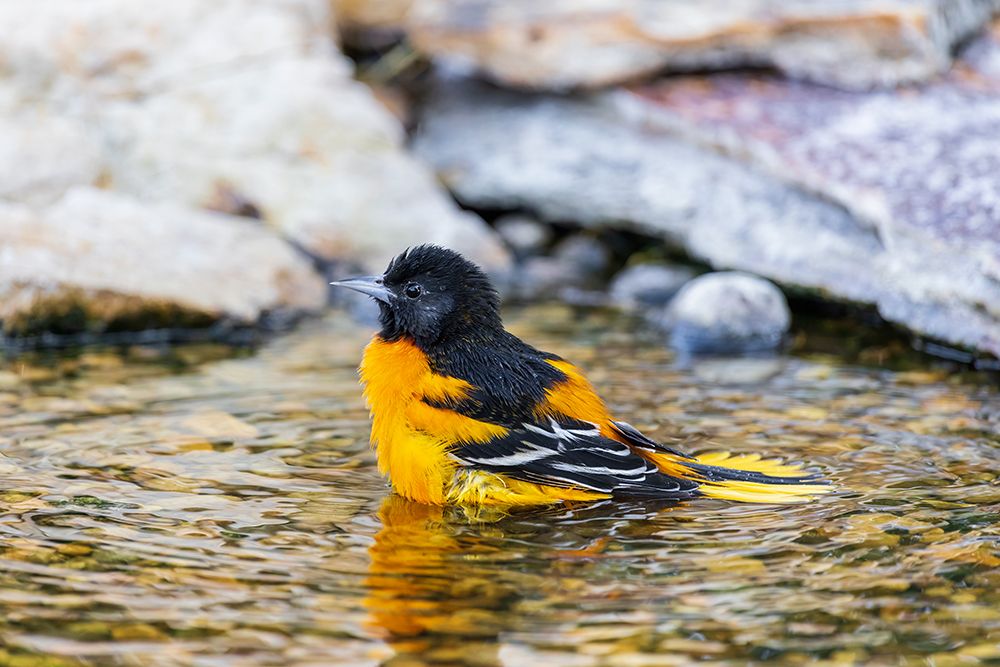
464 412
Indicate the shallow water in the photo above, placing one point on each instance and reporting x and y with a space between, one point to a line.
210 507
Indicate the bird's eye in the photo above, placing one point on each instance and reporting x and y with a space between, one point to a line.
413 290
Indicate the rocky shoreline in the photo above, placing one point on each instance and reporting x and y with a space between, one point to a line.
200 165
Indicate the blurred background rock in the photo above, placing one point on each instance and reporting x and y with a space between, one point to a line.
209 165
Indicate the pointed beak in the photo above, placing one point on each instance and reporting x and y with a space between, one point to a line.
370 285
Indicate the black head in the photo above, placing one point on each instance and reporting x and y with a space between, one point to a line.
432 295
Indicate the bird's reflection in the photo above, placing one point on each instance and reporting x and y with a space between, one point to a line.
442 586
424 599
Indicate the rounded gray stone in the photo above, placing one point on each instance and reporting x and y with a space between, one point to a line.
545 278
647 285
526 236
727 312
584 253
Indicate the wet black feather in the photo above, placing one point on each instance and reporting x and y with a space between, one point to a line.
569 453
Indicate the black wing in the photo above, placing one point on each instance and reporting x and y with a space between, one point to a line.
636 438
572 454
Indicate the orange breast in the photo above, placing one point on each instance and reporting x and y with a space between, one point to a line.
410 437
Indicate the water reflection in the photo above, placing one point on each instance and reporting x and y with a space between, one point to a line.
450 586
415 601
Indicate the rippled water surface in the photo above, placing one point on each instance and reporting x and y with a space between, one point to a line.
210 507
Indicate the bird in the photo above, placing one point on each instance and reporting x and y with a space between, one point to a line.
465 413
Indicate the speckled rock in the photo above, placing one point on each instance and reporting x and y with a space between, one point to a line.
727 312
646 286
209 103
921 169
565 44
575 159
95 261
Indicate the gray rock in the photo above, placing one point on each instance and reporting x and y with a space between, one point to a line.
570 159
920 169
585 254
540 278
646 286
181 101
736 370
563 44
571 273
727 312
525 236
95 260
575 159
325 167
43 153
